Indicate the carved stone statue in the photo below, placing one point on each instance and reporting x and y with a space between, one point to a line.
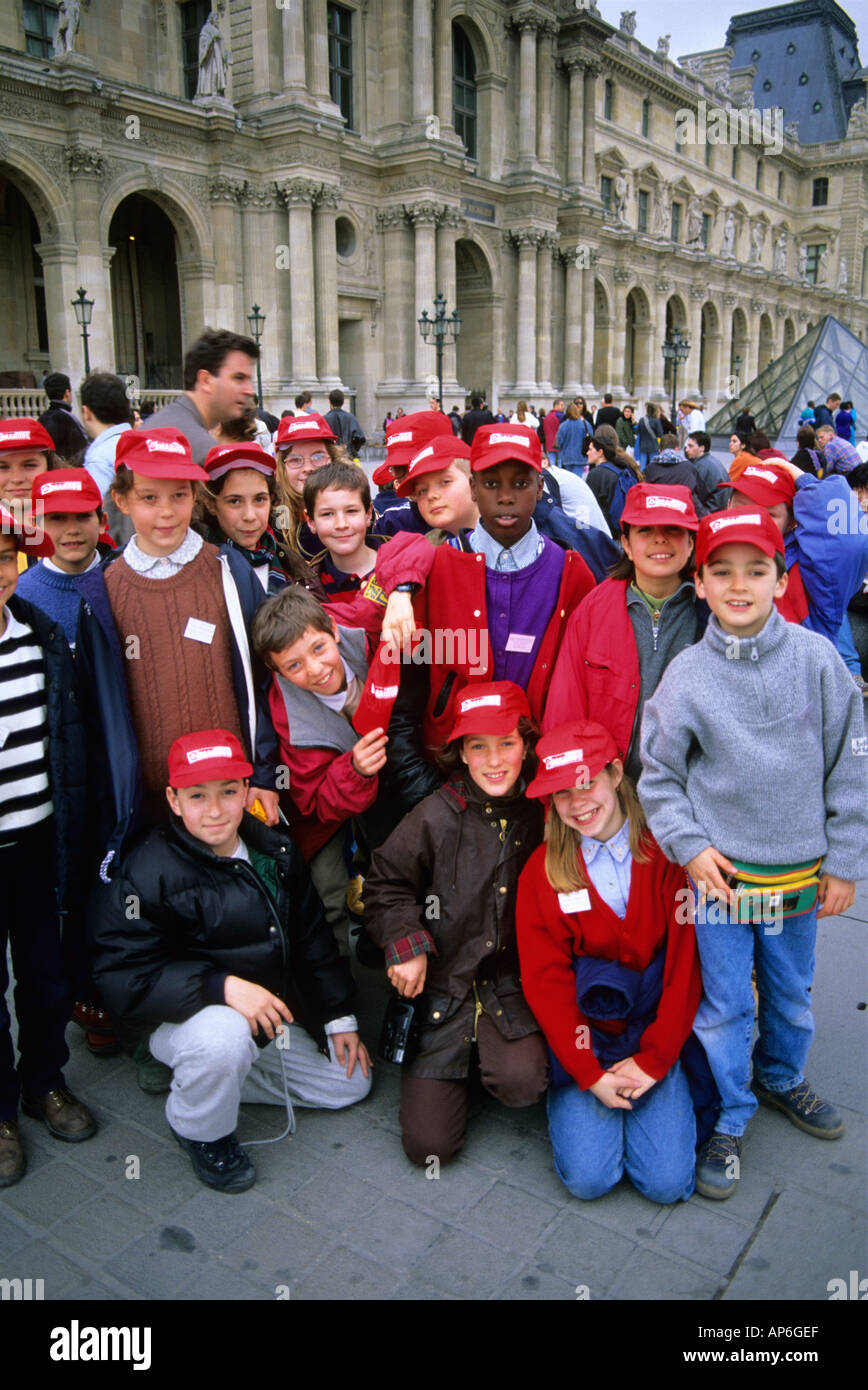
843 277
214 60
779 264
858 121
727 245
823 267
694 224
724 87
663 46
662 211
66 27
757 237
622 193
627 23
803 262
791 130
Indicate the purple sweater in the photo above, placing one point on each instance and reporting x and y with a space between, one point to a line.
520 604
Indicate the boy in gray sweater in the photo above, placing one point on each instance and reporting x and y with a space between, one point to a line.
754 750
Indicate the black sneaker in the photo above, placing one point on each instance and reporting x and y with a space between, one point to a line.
220 1163
717 1166
805 1109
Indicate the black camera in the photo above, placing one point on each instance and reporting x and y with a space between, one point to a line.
399 1036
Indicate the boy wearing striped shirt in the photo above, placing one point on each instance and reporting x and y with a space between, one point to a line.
42 812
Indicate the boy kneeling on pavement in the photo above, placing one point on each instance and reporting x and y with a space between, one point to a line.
197 945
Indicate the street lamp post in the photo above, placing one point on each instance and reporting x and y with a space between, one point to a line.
736 374
256 319
83 310
442 331
675 350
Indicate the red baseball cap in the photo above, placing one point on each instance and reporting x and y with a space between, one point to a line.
436 457
648 504
157 453
23 434
764 483
406 437
66 490
751 525
30 538
497 443
225 457
380 692
493 708
209 756
572 755
294 428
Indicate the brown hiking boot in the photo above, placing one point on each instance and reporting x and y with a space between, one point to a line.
65 1116
12 1161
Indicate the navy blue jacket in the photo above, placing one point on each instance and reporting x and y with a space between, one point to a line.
597 550
112 748
67 760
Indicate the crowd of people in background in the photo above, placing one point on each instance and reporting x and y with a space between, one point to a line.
487 730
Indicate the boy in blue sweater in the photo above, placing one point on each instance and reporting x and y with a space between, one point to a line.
69 505
758 704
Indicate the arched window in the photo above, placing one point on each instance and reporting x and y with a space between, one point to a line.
464 90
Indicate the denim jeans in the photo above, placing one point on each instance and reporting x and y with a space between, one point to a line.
783 956
847 647
654 1143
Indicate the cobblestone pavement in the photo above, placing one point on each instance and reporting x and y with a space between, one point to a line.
338 1213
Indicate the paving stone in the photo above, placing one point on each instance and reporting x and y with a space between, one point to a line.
277 1249
703 1234
221 1283
530 1286
166 1182
46 1195
805 1241
105 1155
836 1168
465 1266
509 1217
15 1232
583 1253
160 1262
394 1234
39 1260
421 1293
334 1197
345 1274
217 1221
459 1186
85 1230
651 1274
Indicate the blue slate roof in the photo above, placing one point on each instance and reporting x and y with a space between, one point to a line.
803 54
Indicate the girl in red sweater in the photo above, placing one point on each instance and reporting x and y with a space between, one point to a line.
610 968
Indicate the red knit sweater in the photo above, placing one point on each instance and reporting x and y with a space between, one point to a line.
549 940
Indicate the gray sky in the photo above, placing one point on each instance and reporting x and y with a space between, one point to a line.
695 26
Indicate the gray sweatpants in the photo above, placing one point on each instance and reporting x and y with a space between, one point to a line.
217 1065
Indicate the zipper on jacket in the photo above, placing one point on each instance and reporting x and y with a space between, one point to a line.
478 1010
272 907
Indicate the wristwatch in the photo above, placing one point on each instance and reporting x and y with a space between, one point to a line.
408 587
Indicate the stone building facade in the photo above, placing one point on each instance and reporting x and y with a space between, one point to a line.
540 167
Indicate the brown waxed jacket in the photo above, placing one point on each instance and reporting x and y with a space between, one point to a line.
451 869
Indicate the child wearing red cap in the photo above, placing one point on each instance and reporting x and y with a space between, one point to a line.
440 900
610 969
337 510
407 437
43 811
237 500
26 450
623 635
438 483
758 710
69 505
229 929
302 443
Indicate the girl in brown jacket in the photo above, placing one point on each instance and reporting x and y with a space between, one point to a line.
440 900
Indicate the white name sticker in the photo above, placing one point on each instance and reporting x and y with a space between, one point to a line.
200 631
579 901
520 642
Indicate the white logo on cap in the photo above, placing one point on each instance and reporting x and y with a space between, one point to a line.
59 487
165 446
198 755
467 705
426 453
752 519
761 473
405 438
573 755
16 434
674 502
302 425
384 692
509 439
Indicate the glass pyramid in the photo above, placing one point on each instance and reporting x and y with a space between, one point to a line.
828 358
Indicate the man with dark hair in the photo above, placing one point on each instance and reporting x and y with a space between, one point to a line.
474 417
825 414
105 409
455 419
709 471
608 414
218 386
344 423
65 429
303 403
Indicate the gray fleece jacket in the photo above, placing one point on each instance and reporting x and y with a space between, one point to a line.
757 747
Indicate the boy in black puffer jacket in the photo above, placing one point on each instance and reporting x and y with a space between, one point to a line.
198 942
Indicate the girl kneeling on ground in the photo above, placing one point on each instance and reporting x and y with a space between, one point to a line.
440 900
601 921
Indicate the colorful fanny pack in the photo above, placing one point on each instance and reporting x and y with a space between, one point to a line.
784 890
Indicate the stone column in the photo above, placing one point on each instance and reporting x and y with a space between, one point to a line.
316 30
397 288
589 123
618 335
575 121
265 281
86 169
425 217
528 242
299 196
527 26
326 287
658 365
751 367
224 195
196 285
588 310
443 63
548 248
573 326
689 374
60 267
423 61
545 81
447 235
292 19
725 387
497 346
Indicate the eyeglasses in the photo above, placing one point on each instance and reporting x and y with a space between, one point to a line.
296 461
